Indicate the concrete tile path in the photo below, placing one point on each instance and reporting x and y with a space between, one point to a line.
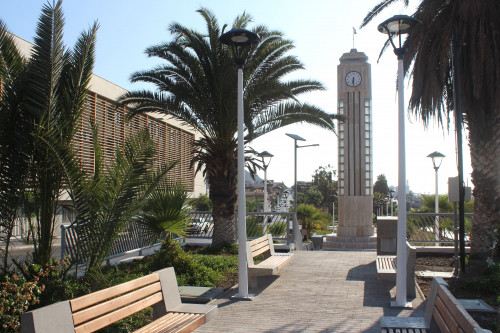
330 291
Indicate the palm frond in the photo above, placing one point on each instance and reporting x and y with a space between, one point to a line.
379 8
11 61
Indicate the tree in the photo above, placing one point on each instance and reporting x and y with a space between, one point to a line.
323 179
312 219
126 190
379 202
429 63
429 204
381 186
202 203
313 197
198 85
42 98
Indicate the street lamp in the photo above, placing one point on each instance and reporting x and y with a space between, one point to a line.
240 41
334 197
296 138
266 159
391 195
437 159
397 26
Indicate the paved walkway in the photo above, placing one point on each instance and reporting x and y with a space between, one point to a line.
316 292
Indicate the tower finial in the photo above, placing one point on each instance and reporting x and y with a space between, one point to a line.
354 32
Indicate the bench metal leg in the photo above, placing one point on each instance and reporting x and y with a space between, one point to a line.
252 281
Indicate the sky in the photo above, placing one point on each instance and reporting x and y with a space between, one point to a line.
321 30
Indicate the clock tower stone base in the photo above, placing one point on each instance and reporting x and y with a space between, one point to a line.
355 227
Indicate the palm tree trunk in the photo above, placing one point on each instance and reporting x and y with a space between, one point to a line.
223 193
485 153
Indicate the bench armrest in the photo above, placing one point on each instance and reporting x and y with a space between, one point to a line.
54 318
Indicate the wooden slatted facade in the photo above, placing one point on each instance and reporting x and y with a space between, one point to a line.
172 143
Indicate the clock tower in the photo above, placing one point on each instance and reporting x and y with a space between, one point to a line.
355 178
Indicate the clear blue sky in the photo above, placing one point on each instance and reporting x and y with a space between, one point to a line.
321 31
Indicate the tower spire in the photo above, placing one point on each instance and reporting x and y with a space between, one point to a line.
354 32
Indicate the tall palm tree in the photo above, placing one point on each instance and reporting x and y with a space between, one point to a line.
198 85
44 97
14 144
477 26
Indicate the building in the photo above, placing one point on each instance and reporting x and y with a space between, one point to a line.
174 140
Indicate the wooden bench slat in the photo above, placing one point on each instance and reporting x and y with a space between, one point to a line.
175 322
386 264
260 251
436 315
275 260
261 243
115 303
97 297
103 321
460 316
445 315
262 239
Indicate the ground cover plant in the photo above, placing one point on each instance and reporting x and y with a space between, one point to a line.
32 286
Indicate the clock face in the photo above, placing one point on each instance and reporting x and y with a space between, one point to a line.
353 79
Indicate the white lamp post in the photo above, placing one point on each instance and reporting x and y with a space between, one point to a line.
266 160
240 41
296 138
395 27
437 159
391 193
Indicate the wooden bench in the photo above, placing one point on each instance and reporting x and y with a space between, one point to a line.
94 311
443 313
273 261
386 268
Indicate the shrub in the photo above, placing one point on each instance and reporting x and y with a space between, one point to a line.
312 219
16 296
278 229
188 270
488 283
255 227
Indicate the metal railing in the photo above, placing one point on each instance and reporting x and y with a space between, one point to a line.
439 228
258 224
134 237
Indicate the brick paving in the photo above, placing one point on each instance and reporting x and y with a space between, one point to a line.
329 291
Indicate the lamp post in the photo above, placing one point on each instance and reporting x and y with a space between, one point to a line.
266 159
397 26
391 194
333 196
296 138
437 159
240 41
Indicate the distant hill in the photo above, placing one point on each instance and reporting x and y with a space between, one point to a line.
249 178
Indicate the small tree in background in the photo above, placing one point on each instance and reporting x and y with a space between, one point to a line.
202 203
312 219
381 186
323 179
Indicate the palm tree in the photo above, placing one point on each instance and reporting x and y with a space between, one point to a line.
129 189
41 98
198 85
13 141
429 63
